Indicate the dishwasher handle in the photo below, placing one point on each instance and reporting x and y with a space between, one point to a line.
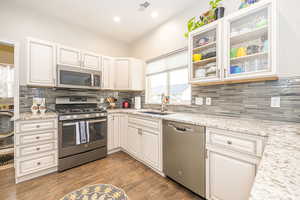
180 129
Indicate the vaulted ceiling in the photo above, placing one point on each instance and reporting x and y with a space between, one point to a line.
97 15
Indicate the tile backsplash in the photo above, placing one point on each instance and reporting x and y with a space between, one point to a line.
28 93
247 100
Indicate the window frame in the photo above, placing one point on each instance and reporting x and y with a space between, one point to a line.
167 71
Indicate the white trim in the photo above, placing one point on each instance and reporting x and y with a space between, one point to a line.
16 46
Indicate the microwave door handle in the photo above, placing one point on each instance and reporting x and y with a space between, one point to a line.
69 124
97 121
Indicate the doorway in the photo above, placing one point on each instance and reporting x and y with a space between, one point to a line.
8 88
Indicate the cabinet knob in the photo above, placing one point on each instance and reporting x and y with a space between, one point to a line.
38 126
38 149
229 142
37 138
38 163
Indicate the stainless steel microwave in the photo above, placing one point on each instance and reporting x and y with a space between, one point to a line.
73 77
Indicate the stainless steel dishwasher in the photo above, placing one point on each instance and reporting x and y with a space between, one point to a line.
184 155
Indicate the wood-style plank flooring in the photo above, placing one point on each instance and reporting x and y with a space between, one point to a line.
119 169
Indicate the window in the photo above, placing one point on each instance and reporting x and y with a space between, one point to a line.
6 81
169 76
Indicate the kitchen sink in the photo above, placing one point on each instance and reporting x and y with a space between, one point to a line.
156 113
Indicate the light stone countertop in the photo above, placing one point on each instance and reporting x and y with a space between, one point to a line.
278 176
30 116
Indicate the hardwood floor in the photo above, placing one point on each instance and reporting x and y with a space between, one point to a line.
119 169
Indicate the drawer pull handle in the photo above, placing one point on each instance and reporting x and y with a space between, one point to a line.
38 163
37 138
229 142
38 149
38 126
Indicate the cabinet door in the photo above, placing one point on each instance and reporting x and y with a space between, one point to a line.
134 141
116 134
108 73
150 148
123 126
250 50
122 74
68 56
41 64
137 74
91 61
110 133
205 55
225 169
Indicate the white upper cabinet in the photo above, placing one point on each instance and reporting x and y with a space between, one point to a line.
250 49
239 47
76 58
68 56
205 51
108 75
122 72
41 63
129 74
91 61
137 74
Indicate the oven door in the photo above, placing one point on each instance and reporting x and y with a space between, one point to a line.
67 137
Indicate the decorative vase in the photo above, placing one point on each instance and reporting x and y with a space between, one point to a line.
42 108
34 109
219 13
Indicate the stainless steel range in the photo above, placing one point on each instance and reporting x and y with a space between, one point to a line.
82 131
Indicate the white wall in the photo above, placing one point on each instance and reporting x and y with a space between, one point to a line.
169 36
17 23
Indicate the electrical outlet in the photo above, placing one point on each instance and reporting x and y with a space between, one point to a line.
275 102
199 101
208 101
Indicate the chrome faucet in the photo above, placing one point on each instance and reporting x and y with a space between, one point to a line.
164 101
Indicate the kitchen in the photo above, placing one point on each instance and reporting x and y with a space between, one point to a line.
171 100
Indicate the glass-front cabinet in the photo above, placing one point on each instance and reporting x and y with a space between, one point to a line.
205 53
238 47
250 42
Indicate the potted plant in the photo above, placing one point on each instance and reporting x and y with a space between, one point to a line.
219 10
193 24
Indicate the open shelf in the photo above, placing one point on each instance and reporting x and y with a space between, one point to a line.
252 34
205 61
249 57
205 46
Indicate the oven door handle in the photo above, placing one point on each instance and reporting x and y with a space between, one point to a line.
97 121
69 124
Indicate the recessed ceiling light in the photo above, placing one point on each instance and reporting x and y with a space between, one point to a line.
154 14
117 19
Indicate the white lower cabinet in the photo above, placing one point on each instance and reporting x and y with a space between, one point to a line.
230 169
145 140
150 148
116 125
134 141
36 149
141 137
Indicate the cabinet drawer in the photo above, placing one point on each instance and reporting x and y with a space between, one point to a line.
26 126
235 141
40 136
144 122
34 149
36 163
